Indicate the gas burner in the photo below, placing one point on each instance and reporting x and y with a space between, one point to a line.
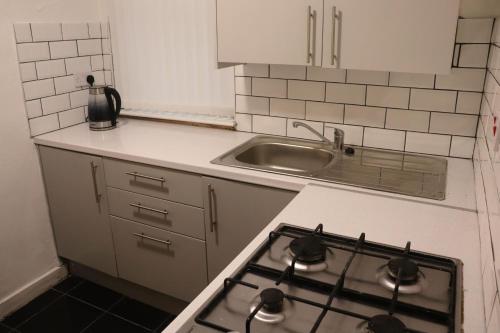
310 252
382 324
412 280
275 307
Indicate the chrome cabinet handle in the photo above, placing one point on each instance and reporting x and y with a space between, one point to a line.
311 18
93 168
144 236
140 206
135 174
335 16
211 210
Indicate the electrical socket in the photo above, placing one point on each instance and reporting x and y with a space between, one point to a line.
81 79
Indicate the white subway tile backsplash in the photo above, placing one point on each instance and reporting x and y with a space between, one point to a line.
75 30
345 93
243 85
33 108
408 120
253 105
433 100
79 98
456 55
44 124
65 49
108 61
387 97
426 143
99 77
269 125
89 47
364 115
108 77
457 124
37 89
46 31
269 87
94 30
328 112
65 84
105 29
489 290
493 326
301 132
326 74
106 46
468 102
55 103
27 71
255 70
96 62
474 30
368 77
288 72
353 135
71 117
473 55
243 122
50 68
306 90
462 147
288 108
468 79
384 138
33 52
411 80
22 32
78 65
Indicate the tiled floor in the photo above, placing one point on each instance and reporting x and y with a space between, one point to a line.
77 305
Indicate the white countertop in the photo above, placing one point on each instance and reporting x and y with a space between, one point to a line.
434 229
192 148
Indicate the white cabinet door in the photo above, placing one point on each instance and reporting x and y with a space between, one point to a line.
270 31
414 36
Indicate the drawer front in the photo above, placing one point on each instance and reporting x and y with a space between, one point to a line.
154 181
167 215
143 256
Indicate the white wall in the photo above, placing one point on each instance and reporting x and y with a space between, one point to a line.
27 248
479 8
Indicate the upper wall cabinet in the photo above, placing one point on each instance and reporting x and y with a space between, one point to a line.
392 35
285 32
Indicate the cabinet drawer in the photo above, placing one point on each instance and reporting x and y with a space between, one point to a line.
154 181
160 260
159 213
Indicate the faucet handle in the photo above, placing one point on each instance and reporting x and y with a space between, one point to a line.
338 136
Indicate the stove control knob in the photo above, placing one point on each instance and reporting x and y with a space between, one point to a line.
349 151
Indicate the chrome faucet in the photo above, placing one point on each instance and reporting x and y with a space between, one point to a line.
338 135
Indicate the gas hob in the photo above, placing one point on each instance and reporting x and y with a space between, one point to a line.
303 280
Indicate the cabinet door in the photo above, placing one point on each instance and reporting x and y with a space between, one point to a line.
234 214
75 189
414 36
270 31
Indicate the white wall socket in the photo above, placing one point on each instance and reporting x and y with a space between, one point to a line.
81 79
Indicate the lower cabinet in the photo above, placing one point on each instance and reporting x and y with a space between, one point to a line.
234 214
160 260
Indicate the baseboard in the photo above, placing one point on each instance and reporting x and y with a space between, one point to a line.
25 294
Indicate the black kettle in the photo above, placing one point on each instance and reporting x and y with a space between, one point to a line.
102 112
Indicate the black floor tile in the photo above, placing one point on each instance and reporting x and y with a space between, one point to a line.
66 315
32 308
164 325
139 313
94 294
4 329
110 323
68 284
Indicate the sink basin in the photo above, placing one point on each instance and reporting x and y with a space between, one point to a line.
378 169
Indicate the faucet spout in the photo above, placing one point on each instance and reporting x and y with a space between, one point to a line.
338 135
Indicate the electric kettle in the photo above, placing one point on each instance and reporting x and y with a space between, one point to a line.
102 112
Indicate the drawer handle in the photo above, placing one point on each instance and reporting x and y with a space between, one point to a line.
93 168
135 174
211 209
140 206
143 236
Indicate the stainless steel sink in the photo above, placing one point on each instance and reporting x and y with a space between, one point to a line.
390 171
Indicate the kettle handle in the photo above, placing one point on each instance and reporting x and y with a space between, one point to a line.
108 92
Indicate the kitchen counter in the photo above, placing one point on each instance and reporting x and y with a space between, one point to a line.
192 148
434 229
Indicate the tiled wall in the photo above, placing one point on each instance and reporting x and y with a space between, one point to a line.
49 54
487 174
424 113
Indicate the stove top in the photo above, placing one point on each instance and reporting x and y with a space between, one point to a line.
303 280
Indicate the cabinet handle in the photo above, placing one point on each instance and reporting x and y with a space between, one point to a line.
93 168
311 18
140 206
211 210
143 236
334 19
135 174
